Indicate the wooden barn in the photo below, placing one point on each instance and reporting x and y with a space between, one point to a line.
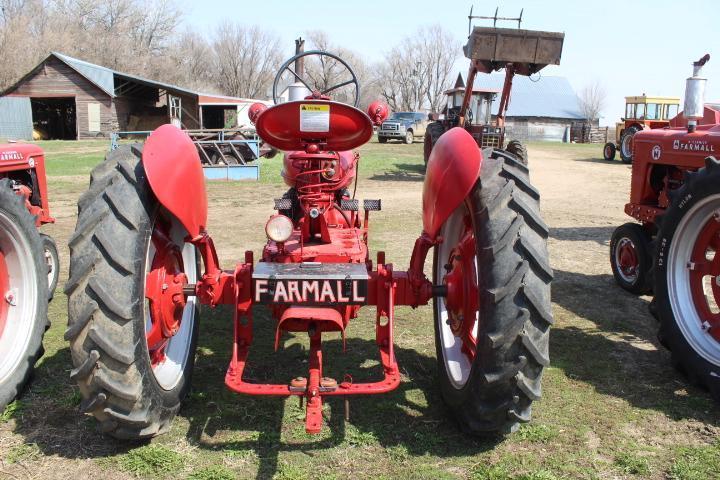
67 99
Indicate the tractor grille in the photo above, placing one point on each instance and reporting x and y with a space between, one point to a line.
488 140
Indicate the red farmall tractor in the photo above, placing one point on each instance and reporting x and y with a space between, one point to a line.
673 251
28 264
142 261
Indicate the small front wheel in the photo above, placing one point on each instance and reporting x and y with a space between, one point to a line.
492 328
609 151
630 258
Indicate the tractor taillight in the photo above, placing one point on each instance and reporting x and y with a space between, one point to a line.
279 228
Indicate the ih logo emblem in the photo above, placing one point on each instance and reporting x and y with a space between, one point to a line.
656 152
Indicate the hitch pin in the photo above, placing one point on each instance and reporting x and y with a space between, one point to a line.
189 290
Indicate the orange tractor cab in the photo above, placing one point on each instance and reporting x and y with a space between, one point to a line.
672 251
641 113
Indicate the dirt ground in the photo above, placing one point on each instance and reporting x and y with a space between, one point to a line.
612 407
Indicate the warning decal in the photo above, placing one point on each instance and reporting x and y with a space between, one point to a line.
314 118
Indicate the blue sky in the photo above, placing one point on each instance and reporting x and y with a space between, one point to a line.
631 47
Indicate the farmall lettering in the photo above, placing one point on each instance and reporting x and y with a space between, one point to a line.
313 292
694 146
10 156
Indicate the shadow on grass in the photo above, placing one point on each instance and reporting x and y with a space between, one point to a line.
600 235
621 356
411 419
602 161
405 172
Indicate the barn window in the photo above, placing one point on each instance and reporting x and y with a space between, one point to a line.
93 117
175 107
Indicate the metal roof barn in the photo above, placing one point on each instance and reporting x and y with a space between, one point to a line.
67 98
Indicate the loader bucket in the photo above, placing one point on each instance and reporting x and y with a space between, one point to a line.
528 50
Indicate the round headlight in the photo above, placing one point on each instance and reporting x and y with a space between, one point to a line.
279 228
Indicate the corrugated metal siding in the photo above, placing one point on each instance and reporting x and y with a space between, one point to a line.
15 118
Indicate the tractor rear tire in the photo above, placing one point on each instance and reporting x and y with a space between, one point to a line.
609 151
110 253
492 394
432 133
683 307
626 144
519 150
630 244
52 259
23 291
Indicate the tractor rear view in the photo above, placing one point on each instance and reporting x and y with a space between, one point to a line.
519 52
143 260
674 250
28 264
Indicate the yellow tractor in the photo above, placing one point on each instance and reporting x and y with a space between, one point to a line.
641 113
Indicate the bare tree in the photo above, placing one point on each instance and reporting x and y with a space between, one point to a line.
415 73
245 59
592 101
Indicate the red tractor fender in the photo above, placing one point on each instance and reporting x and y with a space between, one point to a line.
452 170
172 166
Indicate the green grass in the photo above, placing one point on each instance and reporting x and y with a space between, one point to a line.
609 409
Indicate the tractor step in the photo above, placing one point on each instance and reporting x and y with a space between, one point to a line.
372 205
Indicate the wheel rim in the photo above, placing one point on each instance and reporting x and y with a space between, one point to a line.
52 267
169 316
693 275
626 144
408 137
19 290
627 260
457 314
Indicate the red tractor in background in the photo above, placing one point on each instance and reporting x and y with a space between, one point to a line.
674 250
142 236
521 52
29 264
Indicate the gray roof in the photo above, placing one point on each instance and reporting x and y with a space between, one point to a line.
544 97
104 77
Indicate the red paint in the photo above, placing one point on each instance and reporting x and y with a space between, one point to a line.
452 170
378 111
164 291
672 149
172 166
255 110
708 239
16 157
348 128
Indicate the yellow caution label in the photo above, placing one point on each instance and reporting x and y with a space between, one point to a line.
314 118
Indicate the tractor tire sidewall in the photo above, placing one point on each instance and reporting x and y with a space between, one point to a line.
698 186
513 335
637 235
120 388
518 149
627 133
13 207
49 246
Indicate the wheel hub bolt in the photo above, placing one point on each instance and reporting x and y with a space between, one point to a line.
11 298
705 325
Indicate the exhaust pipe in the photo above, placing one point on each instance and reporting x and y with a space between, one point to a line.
694 107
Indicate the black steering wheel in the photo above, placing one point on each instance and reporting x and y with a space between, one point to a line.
316 93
